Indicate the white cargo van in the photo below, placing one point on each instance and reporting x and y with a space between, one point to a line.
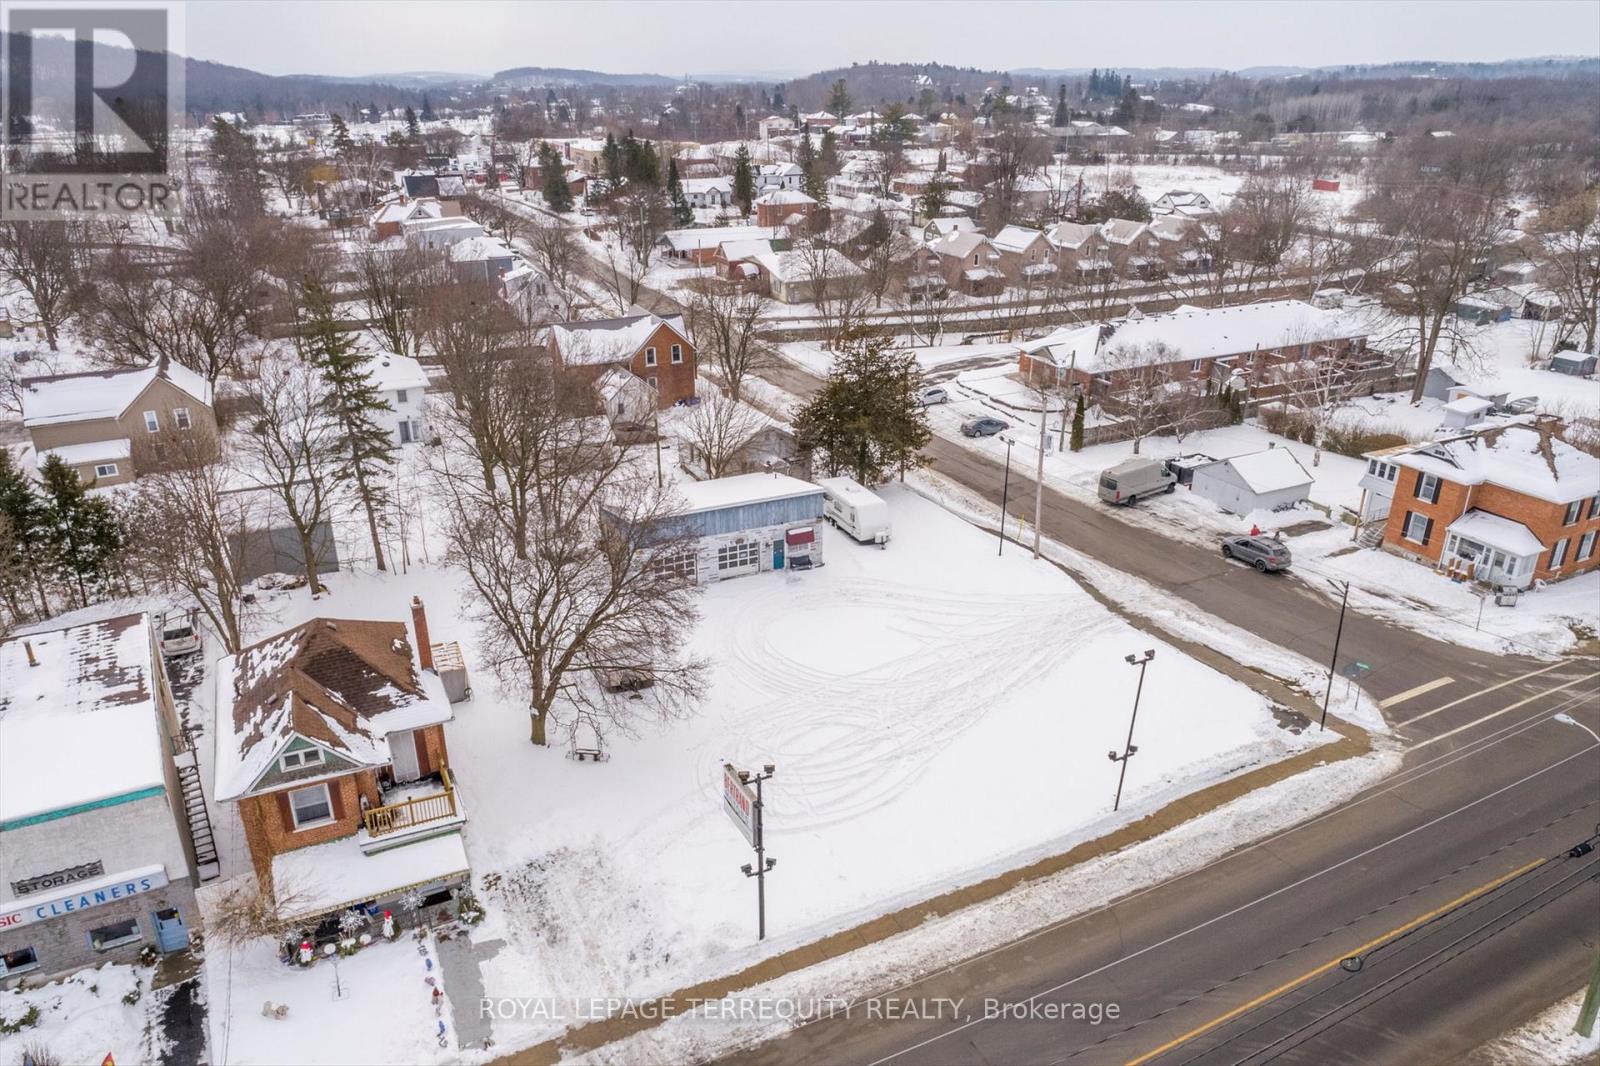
1134 479
855 509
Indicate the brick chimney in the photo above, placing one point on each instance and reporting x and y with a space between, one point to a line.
419 622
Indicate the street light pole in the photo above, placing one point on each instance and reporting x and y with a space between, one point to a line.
1333 663
1005 492
1128 748
763 864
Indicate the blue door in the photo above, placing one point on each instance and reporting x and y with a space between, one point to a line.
171 933
777 555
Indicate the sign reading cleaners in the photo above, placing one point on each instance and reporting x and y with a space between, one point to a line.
86 896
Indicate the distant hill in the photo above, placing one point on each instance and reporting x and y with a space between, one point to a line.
1543 66
410 79
536 77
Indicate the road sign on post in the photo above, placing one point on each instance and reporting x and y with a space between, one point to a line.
740 803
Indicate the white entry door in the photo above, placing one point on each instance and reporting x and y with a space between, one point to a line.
403 753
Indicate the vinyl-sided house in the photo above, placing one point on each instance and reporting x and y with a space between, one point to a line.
1506 505
330 740
96 421
403 385
653 348
97 857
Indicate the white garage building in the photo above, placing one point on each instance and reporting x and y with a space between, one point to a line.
752 522
1269 480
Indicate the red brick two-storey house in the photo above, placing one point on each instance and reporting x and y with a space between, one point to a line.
1506 506
330 741
652 347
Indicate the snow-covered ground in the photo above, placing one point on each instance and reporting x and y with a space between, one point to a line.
902 769
82 1018
1547 1040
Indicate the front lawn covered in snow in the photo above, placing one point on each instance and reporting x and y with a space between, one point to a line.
934 712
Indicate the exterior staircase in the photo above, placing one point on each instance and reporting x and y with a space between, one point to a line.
194 811
1371 535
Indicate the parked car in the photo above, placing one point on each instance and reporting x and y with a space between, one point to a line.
931 395
1133 479
178 636
983 427
1263 553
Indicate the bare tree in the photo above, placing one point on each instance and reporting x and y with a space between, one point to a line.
637 216
726 324
1153 390
602 596
471 332
718 431
189 533
41 258
1014 154
392 282
1567 252
289 452
558 259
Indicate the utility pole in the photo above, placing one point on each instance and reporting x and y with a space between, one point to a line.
763 864
1129 749
1038 474
1005 492
1333 663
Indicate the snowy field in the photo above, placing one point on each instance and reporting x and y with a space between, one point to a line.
935 713
82 1018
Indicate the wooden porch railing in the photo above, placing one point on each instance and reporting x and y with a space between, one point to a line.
415 811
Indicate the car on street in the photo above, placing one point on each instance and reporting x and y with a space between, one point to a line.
1263 553
931 395
983 427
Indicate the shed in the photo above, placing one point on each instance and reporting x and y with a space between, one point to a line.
1465 411
1578 364
1438 383
1269 480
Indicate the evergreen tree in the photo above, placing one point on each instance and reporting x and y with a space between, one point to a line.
342 142
80 530
1075 442
612 155
738 118
352 402
828 154
413 127
682 213
1094 82
427 109
553 178
839 99
1063 116
813 182
935 196
238 168
777 98
744 182
25 517
866 419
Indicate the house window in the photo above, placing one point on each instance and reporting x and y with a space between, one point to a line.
1573 510
1198 365
1558 554
152 423
738 556
1428 488
651 381
1586 546
114 935
19 961
677 353
400 395
1416 527
1594 507
180 418
974 258
105 470
311 806
649 357
295 760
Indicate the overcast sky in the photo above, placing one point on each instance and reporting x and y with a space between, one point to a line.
354 37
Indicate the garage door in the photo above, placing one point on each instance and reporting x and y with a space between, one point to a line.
743 557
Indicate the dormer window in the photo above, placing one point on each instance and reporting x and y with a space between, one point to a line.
296 760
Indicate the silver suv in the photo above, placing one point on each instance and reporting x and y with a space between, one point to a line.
1263 553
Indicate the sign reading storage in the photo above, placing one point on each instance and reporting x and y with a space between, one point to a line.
85 896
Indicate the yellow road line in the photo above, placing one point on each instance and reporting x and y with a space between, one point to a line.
1311 975
1504 710
1482 691
1413 693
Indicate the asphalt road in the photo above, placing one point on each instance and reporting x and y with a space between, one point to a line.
1448 880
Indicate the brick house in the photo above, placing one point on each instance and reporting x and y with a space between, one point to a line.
970 263
106 423
1249 339
780 207
1507 505
654 348
330 741
1025 255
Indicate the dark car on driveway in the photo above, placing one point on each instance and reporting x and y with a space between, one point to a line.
984 427
1263 553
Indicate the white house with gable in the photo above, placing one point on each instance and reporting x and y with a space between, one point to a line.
403 384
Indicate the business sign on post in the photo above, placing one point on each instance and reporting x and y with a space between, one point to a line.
740 804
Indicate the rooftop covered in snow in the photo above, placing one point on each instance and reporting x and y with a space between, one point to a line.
1530 459
100 394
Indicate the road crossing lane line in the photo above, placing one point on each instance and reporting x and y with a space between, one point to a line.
1412 693
1504 710
1482 692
